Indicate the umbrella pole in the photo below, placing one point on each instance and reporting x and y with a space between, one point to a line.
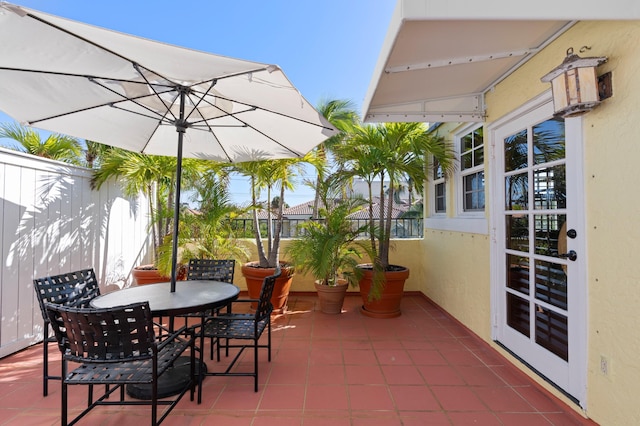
180 128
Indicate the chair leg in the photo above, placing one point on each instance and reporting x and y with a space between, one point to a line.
45 367
269 340
255 365
63 419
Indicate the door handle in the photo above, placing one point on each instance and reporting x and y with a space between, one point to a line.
572 255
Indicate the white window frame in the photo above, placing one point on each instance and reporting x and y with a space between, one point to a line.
460 174
455 218
433 193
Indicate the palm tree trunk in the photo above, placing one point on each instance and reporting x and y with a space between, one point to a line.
261 256
384 254
274 255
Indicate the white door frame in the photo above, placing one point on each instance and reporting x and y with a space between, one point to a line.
578 293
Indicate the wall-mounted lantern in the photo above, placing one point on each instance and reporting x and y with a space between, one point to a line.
575 85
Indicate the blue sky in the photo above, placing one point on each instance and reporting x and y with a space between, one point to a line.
327 48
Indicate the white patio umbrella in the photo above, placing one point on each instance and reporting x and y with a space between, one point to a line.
125 91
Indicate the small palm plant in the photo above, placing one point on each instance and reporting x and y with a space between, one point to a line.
328 247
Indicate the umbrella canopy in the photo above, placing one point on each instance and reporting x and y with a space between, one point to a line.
125 91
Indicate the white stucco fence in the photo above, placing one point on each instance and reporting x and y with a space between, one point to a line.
52 222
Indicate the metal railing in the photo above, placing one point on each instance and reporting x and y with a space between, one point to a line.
400 228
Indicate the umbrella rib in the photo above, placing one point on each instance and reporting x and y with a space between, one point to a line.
254 107
99 46
69 74
137 67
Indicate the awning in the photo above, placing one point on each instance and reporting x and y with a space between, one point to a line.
440 57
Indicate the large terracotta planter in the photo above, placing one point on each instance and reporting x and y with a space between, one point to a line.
254 276
332 297
388 306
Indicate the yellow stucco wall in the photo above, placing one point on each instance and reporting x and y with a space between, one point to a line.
612 210
405 252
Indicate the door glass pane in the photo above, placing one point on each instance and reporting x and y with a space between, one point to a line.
551 283
518 273
515 151
548 141
547 230
551 332
518 232
518 314
517 196
550 188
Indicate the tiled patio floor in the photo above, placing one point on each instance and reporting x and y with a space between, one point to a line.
419 369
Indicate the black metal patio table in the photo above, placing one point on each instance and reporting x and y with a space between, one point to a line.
190 296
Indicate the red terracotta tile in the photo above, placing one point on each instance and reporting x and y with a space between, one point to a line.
393 357
370 397
359 357
483 418
457 398
283 397
402 375
365 374
326 374
418 418
414 398
440 375
326 397
427 357
503 399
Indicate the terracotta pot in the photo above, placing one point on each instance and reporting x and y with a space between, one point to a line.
148 274
388 306
332 297
254 276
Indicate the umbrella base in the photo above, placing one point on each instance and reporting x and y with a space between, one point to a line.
170 383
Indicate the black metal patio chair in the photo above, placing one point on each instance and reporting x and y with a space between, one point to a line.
70 289
243 330
117 346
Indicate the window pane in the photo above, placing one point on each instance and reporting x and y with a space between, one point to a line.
550 186
547 229
466 161
517 228
517 196
551 332
437 170
548 141
518 273
441 200
551 284
478 138
474 191
518 314
478 159
515 151
466 143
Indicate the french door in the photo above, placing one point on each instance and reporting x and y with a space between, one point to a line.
538 256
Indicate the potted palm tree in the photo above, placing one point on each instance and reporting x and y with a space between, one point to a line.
389 153
154 176
328 247
269 175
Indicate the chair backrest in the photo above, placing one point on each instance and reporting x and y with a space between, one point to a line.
122 333
265 307
71 289
211 269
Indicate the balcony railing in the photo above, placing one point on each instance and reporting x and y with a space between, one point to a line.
400 228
